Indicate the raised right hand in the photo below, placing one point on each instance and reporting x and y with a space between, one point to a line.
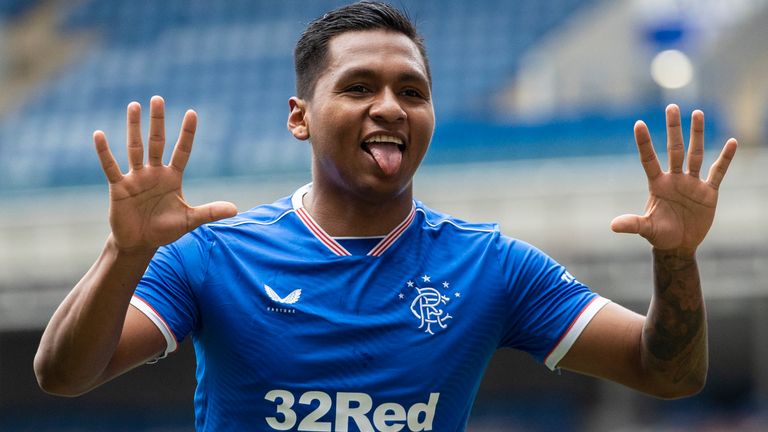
147 208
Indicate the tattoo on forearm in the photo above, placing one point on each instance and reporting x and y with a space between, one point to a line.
676 322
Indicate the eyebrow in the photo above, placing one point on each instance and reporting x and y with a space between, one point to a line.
368 73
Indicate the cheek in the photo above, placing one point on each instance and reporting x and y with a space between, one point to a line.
425 127
334 140
336 120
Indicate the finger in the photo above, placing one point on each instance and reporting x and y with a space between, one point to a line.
645 148
183 146
718 169
156 130
210 212
675 147
631 224
135 146
108 163
696 145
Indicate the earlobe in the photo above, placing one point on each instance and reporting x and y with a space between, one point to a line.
297 118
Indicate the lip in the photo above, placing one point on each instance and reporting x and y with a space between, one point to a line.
398 135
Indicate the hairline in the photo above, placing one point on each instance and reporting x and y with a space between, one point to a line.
421 76
307 75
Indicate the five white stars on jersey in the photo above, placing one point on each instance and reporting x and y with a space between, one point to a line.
427 278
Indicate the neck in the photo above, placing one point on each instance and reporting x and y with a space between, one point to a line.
346 215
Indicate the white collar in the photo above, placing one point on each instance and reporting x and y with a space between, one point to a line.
298 206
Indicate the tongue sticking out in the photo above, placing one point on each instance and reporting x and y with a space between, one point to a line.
387 155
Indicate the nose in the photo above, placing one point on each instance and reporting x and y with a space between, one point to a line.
387 107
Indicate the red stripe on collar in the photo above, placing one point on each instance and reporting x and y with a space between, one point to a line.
331 243
395 234
321 235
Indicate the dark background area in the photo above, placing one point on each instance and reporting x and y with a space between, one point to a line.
516 388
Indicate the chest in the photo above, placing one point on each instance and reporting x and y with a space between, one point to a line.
352 313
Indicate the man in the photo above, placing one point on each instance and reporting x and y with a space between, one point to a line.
350 306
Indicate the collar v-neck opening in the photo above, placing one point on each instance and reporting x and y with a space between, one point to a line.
334 246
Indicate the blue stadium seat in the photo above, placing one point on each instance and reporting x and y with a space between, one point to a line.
10 9
232 61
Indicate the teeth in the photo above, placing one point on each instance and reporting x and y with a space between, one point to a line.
385 138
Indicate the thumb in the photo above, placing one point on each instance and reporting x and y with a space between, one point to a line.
630 224
210 212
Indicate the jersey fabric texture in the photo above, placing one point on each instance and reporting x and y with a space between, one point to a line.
292 331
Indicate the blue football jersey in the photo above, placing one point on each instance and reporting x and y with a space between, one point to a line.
293 330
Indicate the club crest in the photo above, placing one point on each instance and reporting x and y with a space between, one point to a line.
429 305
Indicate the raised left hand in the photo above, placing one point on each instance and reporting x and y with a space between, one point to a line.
681 207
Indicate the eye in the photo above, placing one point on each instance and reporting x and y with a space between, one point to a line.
357 88
411 92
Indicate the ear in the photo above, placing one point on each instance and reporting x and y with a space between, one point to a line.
297 118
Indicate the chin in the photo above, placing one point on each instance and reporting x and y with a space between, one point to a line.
383 189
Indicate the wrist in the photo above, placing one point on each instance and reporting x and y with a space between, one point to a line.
668 261
679 253
131 252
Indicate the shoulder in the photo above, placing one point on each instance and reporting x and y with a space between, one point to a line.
259 221
262 215
438 221
486 235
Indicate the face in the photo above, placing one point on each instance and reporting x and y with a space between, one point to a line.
370 119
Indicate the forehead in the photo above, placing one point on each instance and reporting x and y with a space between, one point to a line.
378 50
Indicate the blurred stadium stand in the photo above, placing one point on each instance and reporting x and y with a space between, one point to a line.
13 8
535 102
232 62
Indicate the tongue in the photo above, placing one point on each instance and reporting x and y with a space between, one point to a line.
388 156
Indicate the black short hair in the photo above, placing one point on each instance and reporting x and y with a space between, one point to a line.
311 53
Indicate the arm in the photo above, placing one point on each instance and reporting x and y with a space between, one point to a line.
94 335
665 353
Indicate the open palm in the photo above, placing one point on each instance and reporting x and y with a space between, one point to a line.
147 207
681 207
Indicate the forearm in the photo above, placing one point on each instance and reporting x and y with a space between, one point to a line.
674 337
83 333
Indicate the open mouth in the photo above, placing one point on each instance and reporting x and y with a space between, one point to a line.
386 150
380 140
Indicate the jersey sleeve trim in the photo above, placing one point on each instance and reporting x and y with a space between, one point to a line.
573 332
154 316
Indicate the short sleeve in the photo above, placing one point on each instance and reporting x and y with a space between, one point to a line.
166 292
549 307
